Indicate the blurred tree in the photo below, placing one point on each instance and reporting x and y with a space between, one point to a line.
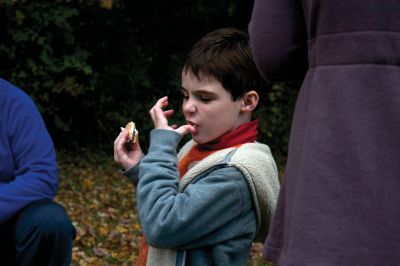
92 65
39 53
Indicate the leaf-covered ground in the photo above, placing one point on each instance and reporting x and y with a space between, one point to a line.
101 204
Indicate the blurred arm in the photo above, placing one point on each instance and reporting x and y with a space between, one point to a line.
278 39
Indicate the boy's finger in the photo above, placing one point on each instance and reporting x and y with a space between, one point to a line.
162 102
154 114
119 144
160 120
185 129
168 113
118 139
117 147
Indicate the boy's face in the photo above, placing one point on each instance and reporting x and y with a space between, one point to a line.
209 107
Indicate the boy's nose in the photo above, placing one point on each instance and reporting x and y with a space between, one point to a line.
189 107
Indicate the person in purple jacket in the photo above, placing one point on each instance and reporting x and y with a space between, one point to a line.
34 230
339 203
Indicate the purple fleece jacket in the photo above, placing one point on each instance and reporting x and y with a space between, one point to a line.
339 203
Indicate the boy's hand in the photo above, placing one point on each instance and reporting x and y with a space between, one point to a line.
126 158
160 118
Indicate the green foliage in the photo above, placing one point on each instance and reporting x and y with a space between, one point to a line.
40 54
276 118
90 69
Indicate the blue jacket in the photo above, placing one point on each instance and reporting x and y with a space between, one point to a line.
28 168
213 219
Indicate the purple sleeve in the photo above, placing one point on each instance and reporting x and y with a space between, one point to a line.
278 39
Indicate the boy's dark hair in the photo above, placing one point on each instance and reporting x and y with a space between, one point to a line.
225 55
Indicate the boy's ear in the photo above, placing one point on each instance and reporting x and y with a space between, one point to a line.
249 101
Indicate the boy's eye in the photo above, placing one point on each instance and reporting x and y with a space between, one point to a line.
205 99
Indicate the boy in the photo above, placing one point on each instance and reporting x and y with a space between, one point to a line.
206 205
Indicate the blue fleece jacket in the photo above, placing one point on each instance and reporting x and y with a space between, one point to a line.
213 219
28 168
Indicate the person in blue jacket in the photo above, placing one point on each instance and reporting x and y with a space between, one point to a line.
34 229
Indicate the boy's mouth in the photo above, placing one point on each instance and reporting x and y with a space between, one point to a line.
196 127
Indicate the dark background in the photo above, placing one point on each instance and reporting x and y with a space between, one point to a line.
92 66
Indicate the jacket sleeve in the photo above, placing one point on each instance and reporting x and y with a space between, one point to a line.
278 39
33 158
208 211
133 174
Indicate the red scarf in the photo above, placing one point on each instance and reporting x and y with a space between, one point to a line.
245 133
